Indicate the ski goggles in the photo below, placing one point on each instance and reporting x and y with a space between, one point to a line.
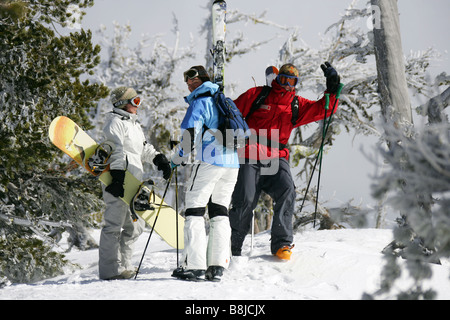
190 74
136 101
284 79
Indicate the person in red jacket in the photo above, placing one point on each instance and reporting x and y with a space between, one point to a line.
264 161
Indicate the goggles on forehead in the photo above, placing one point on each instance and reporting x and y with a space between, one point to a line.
191 74
136 101
284 79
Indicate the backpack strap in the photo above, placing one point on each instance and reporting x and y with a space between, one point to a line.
204 94
262 97
259 101
294 108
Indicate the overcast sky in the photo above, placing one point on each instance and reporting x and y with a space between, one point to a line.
424 24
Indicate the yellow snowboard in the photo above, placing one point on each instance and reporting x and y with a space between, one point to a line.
70 138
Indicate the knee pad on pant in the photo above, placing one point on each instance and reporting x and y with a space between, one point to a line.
216 210
197 212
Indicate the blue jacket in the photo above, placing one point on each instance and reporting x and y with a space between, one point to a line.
202 113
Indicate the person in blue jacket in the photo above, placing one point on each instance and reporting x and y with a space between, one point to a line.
211 184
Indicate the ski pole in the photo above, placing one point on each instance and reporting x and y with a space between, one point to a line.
325 130
154 223
253 232
176 209
327 102
320 155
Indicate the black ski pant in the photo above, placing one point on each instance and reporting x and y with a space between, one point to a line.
280 186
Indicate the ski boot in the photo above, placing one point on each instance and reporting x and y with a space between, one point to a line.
125 275
284 253
214 273
189 274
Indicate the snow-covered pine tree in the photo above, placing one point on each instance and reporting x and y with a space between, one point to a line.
417 184
418 180
40 78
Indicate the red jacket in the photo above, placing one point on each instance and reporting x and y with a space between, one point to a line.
276 113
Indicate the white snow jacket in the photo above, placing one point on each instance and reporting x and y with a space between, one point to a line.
130 146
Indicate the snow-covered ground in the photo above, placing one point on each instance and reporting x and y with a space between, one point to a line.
332 264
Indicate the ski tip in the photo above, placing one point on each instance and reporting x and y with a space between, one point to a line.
221 3
271 74
271 70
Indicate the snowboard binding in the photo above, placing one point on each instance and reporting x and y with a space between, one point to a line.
98 162
142 200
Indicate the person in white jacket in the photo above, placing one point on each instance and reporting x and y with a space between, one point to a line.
124 133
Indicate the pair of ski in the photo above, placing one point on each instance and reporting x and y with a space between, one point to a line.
219 9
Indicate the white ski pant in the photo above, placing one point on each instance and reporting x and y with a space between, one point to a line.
117 237
210 186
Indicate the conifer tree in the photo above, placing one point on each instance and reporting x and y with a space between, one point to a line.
41 77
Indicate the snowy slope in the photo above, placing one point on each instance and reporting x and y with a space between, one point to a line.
335 264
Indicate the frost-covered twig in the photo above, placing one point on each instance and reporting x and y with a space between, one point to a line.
12 219
234 16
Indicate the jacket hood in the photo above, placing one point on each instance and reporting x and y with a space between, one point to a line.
206 87
125 115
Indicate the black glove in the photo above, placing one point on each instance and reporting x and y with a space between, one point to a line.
332 76
116 186
163 165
